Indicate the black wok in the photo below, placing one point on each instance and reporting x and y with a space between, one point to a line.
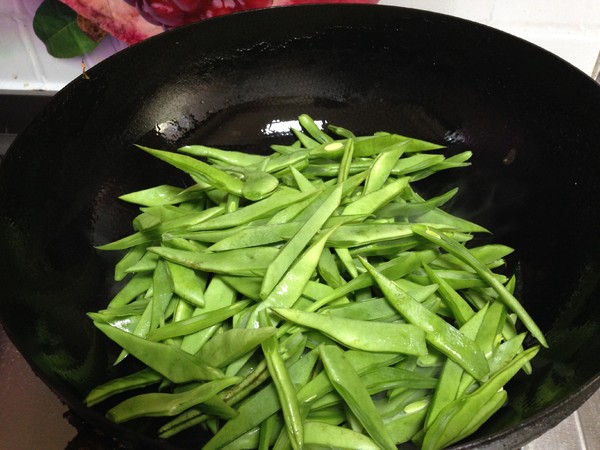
530 118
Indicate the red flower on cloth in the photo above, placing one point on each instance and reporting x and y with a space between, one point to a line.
132 21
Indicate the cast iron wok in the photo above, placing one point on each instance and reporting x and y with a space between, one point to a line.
530 118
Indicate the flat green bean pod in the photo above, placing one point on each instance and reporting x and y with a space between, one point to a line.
310 297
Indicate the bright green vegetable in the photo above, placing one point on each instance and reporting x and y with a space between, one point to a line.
311 298
362 334
347 383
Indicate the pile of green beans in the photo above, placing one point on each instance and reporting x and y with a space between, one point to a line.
311 298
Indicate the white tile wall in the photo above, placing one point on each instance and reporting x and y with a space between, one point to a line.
569 29
24 62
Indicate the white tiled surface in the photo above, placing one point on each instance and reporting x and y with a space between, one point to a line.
24 62
570 29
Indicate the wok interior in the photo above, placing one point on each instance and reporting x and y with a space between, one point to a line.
533 180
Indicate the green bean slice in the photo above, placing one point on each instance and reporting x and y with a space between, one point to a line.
313 129
164 404
324 435
285 388
250 262
382 167
346 382
467 413
284 259
439 333
254 211
136 380
171 362
484 272
197 322
362 334
224 348
217 178
224 156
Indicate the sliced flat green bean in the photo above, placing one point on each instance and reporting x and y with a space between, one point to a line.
371 202
187 283
134 308
346 162
313 129
286 256
452 162
247 286
291 286
415 163
197 322
138 284
381 379
258 185
218 295
382 167
411 209
171 362
161 295
461 310
484 272
154 234
357 234
224 348
234 158
448 387
146 264
284 386
372 145
328 269
260 406
218 178
323 435
372 309
346 382
362 334
457 279
441 217
189 418
467 413
254 236
279 163
305 139
340 131
439 333
267 433
163 404
495 318
131 257
361 361
253 261
394 269
142 327
506 351
347 261
136 380
264 208
154 196
492 255
404 426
